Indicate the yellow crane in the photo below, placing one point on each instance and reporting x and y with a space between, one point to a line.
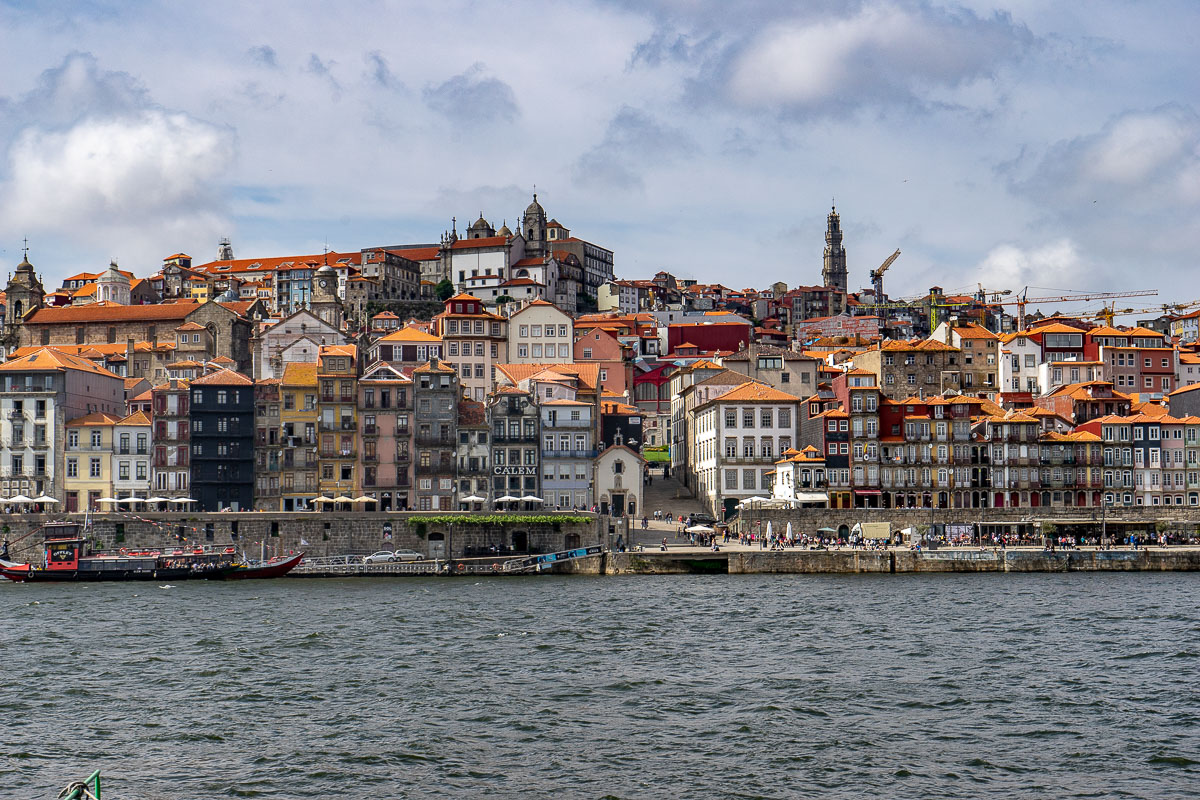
877 276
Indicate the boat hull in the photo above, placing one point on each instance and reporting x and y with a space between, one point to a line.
25 573
272 569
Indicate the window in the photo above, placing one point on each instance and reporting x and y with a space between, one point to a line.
731 418
72 468
96 439
94 468
765 418
748 418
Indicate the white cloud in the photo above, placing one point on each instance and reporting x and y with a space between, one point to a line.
1134 147
1056 265
127 183
882 53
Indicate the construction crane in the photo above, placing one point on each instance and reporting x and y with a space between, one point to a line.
1023 299
877 276
983 295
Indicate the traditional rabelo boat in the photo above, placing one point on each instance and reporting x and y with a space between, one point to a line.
67 558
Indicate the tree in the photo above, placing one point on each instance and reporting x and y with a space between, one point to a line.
502 299
444 290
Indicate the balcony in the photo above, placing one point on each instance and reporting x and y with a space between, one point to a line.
592 454
566 423
434 440
370 458
370 430
435 468
527 438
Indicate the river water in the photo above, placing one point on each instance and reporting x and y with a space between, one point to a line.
947 686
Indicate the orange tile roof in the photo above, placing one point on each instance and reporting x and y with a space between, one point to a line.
297 373
588 374
95 418
136 418
273 263
49 360
1057 327
755 392
411 335
473 244
440 368
112 312
974 332
350 350
224 377
416 253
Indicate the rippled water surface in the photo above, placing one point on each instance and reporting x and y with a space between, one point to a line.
716 686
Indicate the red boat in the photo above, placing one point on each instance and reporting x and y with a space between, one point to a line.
274 568
67 559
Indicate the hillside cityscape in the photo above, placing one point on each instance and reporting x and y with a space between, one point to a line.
504 368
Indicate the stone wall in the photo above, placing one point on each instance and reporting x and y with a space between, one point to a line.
1126 519
318 534
817 562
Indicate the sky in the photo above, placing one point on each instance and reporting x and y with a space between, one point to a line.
1053 145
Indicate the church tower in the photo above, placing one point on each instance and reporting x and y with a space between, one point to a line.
533 225
834 271
325 302
24 292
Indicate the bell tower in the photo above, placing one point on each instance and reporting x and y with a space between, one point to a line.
833 272
326 304
533 226
23 294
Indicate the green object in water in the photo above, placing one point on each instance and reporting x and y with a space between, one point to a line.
87 790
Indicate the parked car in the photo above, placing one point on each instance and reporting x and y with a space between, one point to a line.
703 519
408 555
379 557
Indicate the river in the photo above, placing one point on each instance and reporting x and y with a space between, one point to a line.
947 686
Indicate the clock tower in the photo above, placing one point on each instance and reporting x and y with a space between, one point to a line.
325 302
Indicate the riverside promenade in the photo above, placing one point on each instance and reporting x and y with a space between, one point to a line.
740 559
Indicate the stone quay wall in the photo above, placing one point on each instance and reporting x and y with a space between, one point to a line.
317 534
1124 519
885 562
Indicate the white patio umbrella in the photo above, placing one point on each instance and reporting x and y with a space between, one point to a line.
508 498
341 498
788 534
531 499
182 500
131 500
45 499
699 529
472 498
19 499
156 499
363 499
768 529
322 499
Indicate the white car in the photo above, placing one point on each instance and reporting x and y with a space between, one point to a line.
408 555
379 557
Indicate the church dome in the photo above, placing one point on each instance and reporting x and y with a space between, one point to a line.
504 231
480 224
535 208
326 272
